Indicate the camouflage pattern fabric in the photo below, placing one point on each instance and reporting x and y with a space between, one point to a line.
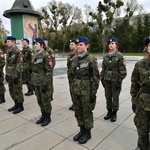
112 95
27 61
141 121
113 68
2 64
85 82
42 75
140 92
52 57
14 66
113 72
69 61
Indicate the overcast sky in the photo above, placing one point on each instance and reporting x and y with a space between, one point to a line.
36 4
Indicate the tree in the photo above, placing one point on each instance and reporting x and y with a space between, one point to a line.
104 18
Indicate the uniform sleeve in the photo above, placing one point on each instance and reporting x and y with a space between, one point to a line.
122 68
48 68
19 64
31 54
2 59
103 70
95 76
135 86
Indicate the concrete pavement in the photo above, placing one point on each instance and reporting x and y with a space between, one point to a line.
20 132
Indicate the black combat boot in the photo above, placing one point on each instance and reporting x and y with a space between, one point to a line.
71 107
114 115
79 135
85 137
14 107
41 119
108 115
47 119
2 99
19 108
29 93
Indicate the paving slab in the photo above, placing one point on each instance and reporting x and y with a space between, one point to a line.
20 132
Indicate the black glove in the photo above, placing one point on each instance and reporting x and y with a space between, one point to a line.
118 85
15 80
92 98
44 88
103 83
133 107
6 78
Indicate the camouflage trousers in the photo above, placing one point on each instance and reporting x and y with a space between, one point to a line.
2 87
15 90
27 75
43 99
112 95
142 122
83 110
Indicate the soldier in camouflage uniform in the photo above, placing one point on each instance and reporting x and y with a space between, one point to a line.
42 74
14 65
140 92
73 52
52 57
85 82
27 53
2 88
112 74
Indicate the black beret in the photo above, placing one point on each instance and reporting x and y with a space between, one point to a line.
25 40
10 38
39 40
73 41
113 39
83 39
146 41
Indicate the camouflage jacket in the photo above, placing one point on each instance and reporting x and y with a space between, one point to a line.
42 69
51 54
2 61
85 75
27 57
14 62
113 68
140 84
70 58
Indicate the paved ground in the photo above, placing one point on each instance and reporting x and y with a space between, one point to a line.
20 132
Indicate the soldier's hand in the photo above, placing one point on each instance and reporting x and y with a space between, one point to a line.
118 85
103 83
133 107
92 98
44 88
6 78
15 80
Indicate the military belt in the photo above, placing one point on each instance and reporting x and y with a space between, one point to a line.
146 89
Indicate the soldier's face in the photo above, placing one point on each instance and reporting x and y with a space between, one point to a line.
24 43
82 47
112 46
10 43
72 46
148 48
37 46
